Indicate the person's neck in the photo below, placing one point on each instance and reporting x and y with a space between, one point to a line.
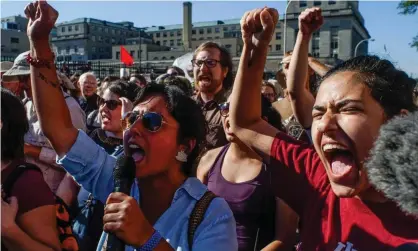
117 134
157 192
209 96
240 151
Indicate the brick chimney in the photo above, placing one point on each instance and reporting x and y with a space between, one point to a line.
187 26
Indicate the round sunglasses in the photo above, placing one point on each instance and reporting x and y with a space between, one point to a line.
152 121
224 109
110 104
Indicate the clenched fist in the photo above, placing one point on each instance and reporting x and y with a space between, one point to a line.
42 18
310 20
257 27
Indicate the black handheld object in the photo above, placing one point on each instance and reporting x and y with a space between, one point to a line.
393 165
123 177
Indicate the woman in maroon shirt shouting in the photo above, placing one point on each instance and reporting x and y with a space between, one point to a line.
326 185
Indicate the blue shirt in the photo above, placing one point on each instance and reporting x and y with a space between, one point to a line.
92 167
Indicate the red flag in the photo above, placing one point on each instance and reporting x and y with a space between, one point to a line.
125 57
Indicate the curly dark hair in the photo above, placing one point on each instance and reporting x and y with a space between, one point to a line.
390 87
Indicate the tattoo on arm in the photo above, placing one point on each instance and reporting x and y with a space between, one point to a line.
41 76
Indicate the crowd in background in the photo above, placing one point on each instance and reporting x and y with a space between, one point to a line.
278 162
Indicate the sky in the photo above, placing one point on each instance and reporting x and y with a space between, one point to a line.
392 32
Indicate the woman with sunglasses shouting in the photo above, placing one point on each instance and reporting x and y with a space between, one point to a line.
237 174
163 134
116 99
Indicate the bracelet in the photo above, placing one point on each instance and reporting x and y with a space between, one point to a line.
38 63
152 242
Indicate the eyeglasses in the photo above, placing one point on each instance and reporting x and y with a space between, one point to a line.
152 121
224 109
210 63
110 104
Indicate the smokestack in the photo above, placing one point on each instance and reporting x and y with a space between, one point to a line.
187 26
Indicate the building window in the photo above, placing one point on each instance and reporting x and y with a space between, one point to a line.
209 30
201 31
179 33
172 34
113 41
139 53
201 38
107 30
193 32
93 49
278 35
117 54
158 42
76 27
172 57
228 46
132 53
93 38
70 28
332 2
217 30
155 58
225 28
163 58
68 50
179 42
233 28
100 39
209 38
14 40
76 49
317 3
62 29
164 34
278 47
171 42
193 39
165 42
302 4
157 34
217 37
113 32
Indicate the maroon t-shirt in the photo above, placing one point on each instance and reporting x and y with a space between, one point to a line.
329 222
30 189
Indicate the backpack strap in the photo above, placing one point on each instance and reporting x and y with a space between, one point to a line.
15 174
197 215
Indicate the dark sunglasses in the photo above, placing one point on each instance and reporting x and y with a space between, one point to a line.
110 104
152 121
210 63
224 109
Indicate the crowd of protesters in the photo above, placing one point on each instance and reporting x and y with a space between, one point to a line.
267 164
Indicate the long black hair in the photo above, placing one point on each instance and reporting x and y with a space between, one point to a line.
14 126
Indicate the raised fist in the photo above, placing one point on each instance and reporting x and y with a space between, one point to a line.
42 18
310 20
257 26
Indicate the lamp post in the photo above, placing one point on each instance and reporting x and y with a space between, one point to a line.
285 27
355 50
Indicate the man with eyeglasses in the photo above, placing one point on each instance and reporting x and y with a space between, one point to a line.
212 70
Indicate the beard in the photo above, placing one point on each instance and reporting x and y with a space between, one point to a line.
211 87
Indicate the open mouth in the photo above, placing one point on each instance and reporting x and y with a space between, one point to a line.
205 79
136 152
341 161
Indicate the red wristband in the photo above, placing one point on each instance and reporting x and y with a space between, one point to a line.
38 63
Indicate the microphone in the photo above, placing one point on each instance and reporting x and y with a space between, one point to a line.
393 165
123 177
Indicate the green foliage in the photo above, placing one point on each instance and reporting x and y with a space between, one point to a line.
407 7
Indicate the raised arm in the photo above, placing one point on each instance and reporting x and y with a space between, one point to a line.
318 67
257 28
52 111
301 98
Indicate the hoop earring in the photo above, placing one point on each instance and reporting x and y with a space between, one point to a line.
181 156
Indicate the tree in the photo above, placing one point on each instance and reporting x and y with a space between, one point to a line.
409 8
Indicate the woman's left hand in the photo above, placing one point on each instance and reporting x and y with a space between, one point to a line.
8 215
124 218
127 105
